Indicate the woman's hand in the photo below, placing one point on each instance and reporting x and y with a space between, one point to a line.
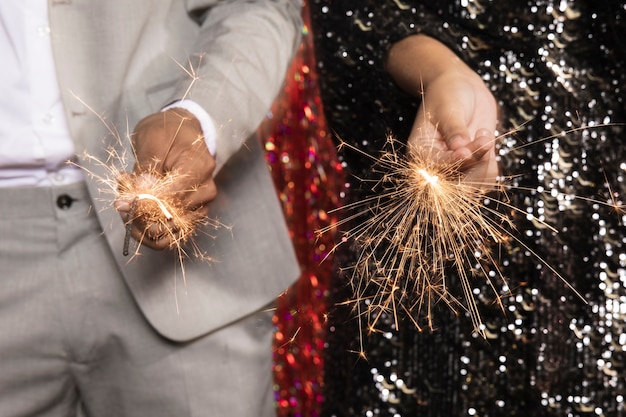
458 115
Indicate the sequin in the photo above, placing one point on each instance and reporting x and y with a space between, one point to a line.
556 68
309 180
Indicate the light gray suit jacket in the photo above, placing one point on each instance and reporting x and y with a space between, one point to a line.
121 58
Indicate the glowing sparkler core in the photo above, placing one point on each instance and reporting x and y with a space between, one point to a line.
432 179
160 203
156 206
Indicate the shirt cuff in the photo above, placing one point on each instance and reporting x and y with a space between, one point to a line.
206 123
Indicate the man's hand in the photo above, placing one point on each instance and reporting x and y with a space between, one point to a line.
169 147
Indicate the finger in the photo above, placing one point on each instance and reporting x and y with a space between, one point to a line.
480 149
124 206
156 230
450 133
454 132
451 125
198 213
484 141
199 196
142 236
432 152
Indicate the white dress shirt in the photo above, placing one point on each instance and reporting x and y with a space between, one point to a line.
35 143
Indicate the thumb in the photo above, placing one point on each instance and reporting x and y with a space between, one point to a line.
454 131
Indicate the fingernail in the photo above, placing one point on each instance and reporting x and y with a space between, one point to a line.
484 133
121 205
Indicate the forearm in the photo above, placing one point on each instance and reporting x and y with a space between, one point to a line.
416 61
248 46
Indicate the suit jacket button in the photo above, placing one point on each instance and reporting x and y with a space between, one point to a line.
64 201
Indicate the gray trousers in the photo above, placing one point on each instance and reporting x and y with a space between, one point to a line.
73 342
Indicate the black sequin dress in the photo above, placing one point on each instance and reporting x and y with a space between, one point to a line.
557 71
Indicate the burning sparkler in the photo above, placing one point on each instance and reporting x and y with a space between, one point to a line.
150 200
424 221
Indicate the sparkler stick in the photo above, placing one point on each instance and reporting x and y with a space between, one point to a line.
129 227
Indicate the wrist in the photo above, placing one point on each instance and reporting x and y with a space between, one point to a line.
204 119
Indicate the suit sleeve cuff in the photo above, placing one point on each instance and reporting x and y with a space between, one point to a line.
206 123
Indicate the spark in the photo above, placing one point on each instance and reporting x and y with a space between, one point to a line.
155 206
155 199
424 221
291 341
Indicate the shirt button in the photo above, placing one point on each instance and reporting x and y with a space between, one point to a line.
43 30
47 119
64 201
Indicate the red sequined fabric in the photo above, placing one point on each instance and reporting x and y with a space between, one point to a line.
308 179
